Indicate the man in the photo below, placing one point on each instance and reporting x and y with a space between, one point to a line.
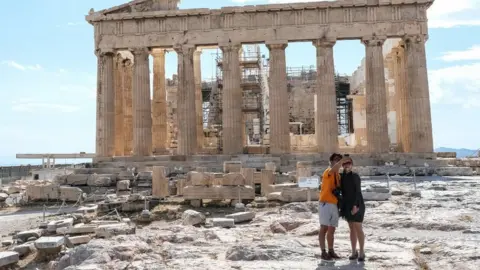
328 210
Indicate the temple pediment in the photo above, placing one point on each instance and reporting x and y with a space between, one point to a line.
140 6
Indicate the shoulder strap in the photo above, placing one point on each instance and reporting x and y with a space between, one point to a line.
336 180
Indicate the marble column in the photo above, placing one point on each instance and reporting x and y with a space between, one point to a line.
159 109
326 123
106 106
186 114
197 70
127 106
399 77
420 137
232 113
142 106
119 117
376 96
99 107
278 106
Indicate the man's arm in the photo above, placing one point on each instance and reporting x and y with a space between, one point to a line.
335 168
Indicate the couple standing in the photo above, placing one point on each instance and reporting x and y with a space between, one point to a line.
341 196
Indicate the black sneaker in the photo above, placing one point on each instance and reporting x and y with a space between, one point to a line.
361 259
326 257
333 255
353 257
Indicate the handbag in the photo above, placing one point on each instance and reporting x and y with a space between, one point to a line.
337 192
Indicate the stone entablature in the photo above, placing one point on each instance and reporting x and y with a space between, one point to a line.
249 24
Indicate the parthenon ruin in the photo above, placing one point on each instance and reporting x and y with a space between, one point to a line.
132 123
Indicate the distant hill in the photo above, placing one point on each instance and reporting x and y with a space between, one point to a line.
461 153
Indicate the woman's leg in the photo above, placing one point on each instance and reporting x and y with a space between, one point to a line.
361 238
353 238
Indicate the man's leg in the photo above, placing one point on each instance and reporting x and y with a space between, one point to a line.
321 237
323 219
333 224
353 240
361 238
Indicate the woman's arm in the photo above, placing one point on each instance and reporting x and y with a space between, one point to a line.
358 190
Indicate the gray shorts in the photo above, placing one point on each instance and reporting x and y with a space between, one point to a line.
328 214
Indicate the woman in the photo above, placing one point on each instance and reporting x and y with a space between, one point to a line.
353 209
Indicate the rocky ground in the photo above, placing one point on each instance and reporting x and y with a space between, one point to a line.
435 228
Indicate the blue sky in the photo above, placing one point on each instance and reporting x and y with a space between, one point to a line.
47 72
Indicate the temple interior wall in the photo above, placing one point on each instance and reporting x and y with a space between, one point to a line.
357 88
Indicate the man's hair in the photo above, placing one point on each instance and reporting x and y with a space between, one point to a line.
335 155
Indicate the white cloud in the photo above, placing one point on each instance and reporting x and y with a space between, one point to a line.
448 13
456 85
473 53
71 24
18 66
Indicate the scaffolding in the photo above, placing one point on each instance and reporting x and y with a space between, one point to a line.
250 82
342 86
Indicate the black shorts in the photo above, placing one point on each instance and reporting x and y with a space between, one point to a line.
358 217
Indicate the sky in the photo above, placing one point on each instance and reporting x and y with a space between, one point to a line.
48 72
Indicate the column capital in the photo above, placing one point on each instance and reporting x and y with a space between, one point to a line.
102 52
198 51
373 41
184 48
139 51
158 52
230 46
127 63
325 42
277 46
419 38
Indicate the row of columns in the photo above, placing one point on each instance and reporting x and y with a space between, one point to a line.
413 115
124 109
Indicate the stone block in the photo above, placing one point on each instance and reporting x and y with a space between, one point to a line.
133 206
199 179
299 195
49 242
88 210
160 182
223 222
454 171
25 235
60 179
3 197
125 175
232 166
77 179
23 250
257 178
54 225
8 258
123 185
374 196
267 178
233 179
110 230
42 192
82 229
249 174
219 192
79 240
271 166
145 176
12 190
241 216
70 194
101 180
274 196
192 217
